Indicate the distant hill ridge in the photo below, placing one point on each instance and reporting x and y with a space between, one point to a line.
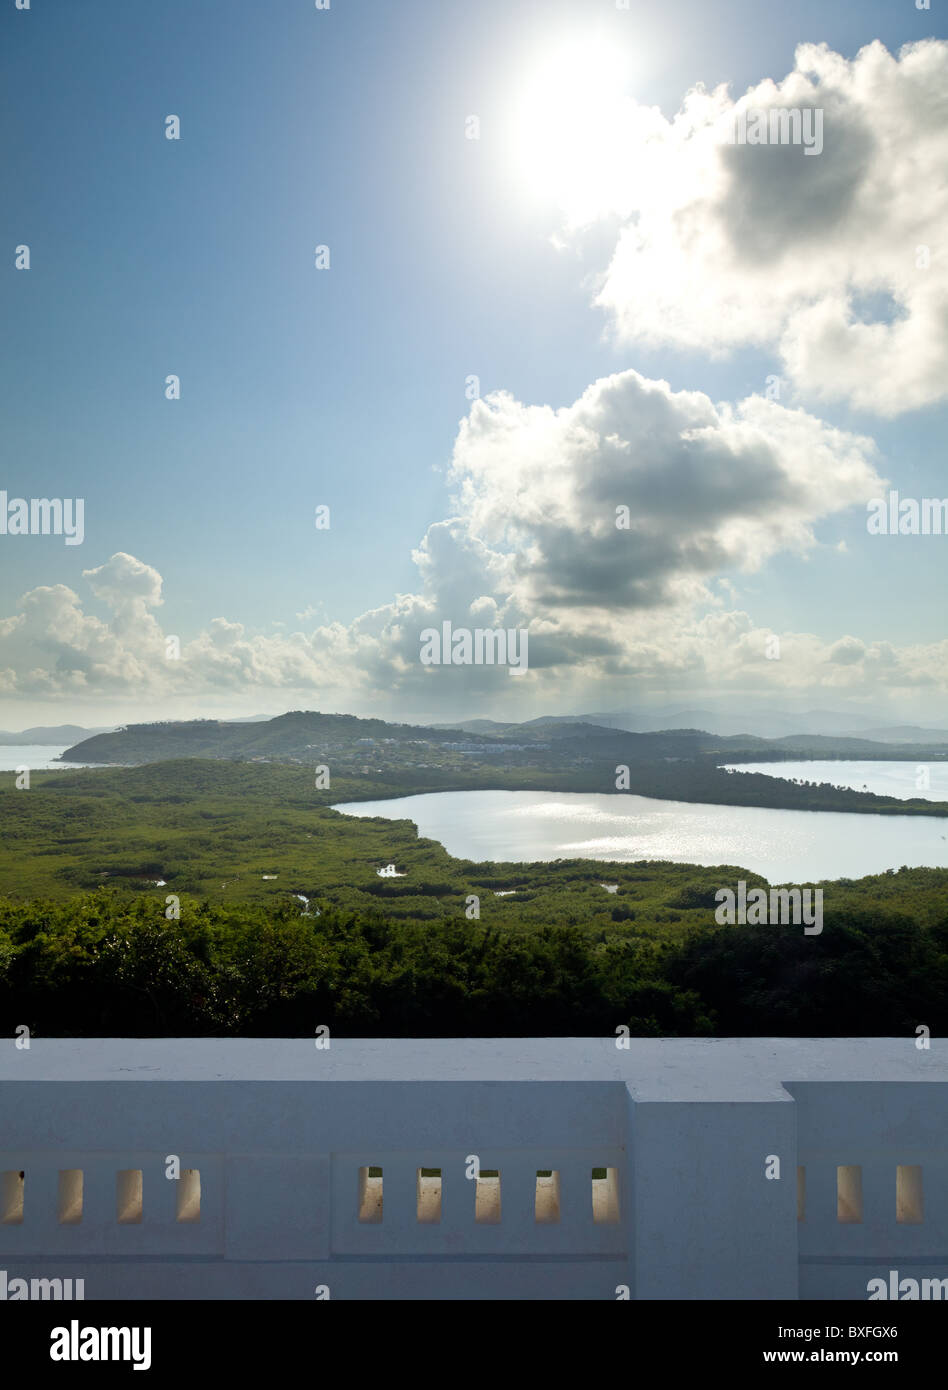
310 736
58 733
771 726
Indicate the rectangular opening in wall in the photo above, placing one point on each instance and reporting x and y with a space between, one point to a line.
605 1195
128 1196
188 1205
370 1194
12 1184
429 1195
487 1197
801 1194
70 1196
849 1192
908 1194
547 1204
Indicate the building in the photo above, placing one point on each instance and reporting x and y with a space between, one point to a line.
511 1168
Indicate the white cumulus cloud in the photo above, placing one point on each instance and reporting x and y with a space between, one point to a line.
836 261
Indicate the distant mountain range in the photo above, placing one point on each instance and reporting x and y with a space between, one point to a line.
311 737
225 737
58 733
907 733
768 725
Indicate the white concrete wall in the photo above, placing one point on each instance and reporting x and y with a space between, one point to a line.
279 1132
707 1221
876 1126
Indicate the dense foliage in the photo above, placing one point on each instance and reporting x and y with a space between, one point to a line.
90 860
109 964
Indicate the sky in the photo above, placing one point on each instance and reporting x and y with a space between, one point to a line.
553 289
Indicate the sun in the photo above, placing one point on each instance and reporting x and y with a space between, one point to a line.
567 126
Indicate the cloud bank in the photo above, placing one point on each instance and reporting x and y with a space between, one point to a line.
700 488
836 262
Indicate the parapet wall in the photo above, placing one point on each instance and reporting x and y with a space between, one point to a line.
510 1168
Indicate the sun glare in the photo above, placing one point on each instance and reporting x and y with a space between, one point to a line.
567 126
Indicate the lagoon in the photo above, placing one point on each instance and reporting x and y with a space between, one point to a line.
784 846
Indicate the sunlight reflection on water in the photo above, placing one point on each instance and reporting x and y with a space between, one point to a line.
785 846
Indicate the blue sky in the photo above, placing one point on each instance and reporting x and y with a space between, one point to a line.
347 386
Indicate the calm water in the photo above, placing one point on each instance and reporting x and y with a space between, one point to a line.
885 779
36 756
784 846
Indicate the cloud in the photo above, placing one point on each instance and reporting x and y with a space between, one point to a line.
847 651
836 261
533 544
374 661
130 589
125 582
706 488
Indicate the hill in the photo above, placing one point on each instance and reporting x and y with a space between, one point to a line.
418 755
59 733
